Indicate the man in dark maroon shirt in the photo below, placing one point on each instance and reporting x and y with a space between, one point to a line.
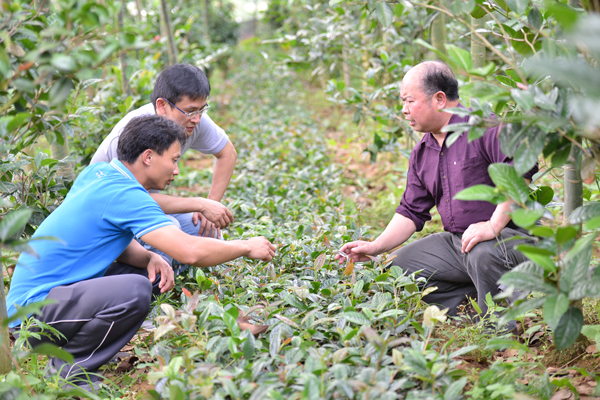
466 259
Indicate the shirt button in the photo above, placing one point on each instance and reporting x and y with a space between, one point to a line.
442 153
444 176
447 200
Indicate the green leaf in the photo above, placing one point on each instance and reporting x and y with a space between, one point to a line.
29 309
249 345
542 231
357 289
543 195
529 151
526 282
588 288
453 391
480 193
585 213
590 331
564 15
506 179
16 121
526 218
554 308
460 57
230 317
52 350
60 91
63 62
568 328
385 14
13 222
275 341
523 98
518 6
576 263
520 309
356 318
483 71
565 234
506 81
534 18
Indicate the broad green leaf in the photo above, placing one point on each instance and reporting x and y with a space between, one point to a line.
481 193
357 289
60 91
526 282
385 14
588 288
554 308
460 57
175 393
507 81
529 151
576 263
585 213
275 341
356 318
63 62
534 18
249 345
590 331
13 222
26 311
229 317
520 309
453 391
523 98
542 231
483 71
506 179
518 6
568 328
52 350
526 218
543 195
17 121
564 15
565 233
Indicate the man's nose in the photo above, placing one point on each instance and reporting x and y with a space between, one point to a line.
404 109
176 170
196 118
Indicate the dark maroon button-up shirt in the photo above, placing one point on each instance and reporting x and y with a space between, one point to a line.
436 174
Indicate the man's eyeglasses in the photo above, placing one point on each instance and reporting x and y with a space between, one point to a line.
193 113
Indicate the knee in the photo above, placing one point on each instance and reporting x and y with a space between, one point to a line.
141 294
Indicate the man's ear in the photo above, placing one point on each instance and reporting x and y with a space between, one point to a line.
161 105
147 157
440 100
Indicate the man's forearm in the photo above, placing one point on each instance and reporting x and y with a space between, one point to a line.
222 172
177 205
397 232
501 216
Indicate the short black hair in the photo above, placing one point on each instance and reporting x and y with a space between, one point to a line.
438 77
152 132
178 81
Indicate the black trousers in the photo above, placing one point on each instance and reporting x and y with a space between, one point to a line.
457 275
97 317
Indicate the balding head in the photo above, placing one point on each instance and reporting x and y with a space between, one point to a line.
433 77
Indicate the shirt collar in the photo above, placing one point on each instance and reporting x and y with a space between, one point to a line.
118 165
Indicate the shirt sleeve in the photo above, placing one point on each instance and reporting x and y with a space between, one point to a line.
492 151
208 138
133 210
417 202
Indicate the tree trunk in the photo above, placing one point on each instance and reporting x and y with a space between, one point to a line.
138 3
168 31
573 185
206 18
438 33
5 363
123 57
477 48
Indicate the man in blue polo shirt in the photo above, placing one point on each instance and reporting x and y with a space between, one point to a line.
100 303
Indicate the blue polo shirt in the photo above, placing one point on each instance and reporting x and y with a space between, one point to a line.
103 211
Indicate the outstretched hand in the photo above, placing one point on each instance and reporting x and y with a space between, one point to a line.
157 265
356 251
261 249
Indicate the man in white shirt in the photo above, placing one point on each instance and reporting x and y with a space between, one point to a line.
180 94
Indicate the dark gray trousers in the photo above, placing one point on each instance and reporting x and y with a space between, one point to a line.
458 275
97 317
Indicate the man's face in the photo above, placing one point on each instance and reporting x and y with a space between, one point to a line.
177 116
418 109
163 168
